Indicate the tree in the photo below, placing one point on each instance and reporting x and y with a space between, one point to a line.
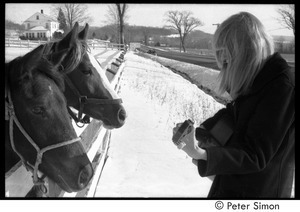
157 44
183 22
287 16
117 16
146 35
94 35
57 35
62 20
73 13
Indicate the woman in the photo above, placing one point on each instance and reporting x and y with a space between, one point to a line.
258 159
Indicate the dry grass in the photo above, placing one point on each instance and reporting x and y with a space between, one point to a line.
170 91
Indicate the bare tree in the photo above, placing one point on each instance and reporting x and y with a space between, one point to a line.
146 35
183 22
287 16
117 16
73 13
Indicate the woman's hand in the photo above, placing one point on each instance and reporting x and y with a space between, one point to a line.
191 148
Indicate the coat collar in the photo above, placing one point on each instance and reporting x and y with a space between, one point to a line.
273 67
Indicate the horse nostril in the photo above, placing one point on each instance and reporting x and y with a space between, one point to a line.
85 176
121 115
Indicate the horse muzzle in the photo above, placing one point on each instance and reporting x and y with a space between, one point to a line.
85 176
83 179
116 119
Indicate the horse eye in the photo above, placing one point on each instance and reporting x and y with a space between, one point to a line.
87 72
38 110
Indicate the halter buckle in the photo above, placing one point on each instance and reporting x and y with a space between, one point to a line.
82 99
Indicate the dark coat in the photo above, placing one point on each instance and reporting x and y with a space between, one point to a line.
259 159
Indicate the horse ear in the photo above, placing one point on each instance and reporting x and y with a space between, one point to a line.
83 34
69 39
31 59
26 64
58 57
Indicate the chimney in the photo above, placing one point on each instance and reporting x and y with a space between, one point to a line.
42 11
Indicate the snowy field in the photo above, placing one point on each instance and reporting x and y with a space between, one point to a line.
12 53
164 89
205 78
143 161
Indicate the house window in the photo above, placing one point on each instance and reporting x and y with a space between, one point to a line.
37 17
28 25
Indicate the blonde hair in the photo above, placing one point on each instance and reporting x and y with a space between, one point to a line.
241 45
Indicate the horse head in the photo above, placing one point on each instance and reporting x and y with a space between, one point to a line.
87 87
41 131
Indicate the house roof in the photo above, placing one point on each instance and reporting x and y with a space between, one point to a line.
42 16
38 28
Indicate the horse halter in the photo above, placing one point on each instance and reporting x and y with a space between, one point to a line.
11 116
83 100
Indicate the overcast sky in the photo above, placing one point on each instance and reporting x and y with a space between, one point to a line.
153 14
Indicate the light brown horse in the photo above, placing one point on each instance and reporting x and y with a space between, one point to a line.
87 87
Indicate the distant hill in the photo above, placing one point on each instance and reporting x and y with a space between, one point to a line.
132 33
283 38
13 26
154 35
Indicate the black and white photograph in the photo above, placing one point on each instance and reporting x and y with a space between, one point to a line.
150 101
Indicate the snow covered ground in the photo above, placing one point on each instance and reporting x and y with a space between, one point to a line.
143 161
11 53
205 78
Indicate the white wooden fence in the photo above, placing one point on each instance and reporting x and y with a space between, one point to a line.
23 43
95 44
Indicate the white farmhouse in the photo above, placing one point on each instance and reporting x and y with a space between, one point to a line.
40 26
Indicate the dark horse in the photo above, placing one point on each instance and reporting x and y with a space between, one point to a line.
87 87
38 126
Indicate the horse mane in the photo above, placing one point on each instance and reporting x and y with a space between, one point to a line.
75 55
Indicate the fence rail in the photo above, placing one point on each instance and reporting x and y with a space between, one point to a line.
104 44
23 43
95 44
